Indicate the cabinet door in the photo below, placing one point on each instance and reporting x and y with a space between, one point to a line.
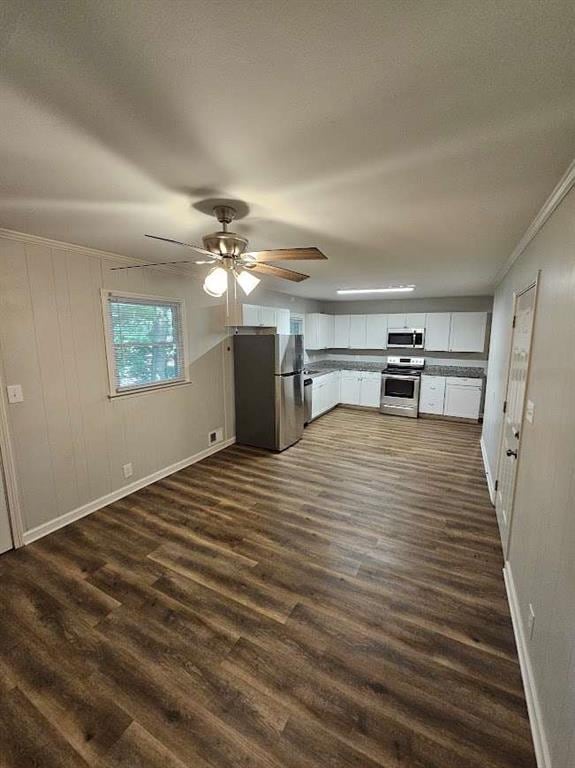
341 331
437 327
312 340
396 321
251 314
370 390
415 320
376 332
268 316
326 331
357 331
467 331
432 394
462 400
350 389
283 320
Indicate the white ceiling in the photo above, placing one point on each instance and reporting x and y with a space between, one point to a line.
412 141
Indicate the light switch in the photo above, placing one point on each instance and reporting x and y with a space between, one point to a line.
15 394
530 411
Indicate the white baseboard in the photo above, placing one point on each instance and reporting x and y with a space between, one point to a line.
540 743
490 482
86 509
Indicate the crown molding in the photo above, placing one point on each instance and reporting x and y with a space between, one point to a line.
562 188
24 237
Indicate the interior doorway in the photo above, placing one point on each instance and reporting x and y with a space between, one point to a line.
514 409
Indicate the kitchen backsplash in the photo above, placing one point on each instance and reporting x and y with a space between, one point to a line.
431 357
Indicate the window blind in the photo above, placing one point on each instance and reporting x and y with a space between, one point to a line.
147 342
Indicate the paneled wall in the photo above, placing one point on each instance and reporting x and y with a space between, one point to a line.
70 439
542 549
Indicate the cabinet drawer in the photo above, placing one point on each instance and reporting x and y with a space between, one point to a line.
465 382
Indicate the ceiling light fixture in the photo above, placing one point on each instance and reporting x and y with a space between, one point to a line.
398 289
246 281
216 282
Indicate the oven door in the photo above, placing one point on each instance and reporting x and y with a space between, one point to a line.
401 338
399 390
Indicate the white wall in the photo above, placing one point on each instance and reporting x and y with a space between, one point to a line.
383 306
70 440
542 548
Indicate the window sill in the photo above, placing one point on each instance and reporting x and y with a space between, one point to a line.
148 390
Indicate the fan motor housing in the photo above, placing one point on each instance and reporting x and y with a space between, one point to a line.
225 243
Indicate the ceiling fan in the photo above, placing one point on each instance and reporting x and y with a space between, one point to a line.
226 252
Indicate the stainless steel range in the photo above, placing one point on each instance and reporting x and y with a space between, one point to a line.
400 382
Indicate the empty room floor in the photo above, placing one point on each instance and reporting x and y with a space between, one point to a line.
339 604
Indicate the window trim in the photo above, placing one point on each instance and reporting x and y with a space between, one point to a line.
106 294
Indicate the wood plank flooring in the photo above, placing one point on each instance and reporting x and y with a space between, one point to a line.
340 604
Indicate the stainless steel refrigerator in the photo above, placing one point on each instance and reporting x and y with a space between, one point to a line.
269 389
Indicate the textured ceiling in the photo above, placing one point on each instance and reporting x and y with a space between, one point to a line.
411 141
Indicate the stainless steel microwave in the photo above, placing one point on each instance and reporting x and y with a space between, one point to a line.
405 338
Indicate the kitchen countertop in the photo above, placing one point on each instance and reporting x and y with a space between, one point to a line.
322 367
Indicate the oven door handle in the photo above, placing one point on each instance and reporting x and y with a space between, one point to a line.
399 376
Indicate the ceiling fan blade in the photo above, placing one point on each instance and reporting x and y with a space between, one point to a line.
287 254
286 274
153 264
213 256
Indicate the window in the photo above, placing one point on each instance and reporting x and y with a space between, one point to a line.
296 323
144 342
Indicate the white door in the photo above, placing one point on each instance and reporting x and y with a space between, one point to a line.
467 331
341 332
376 332
437 326
513 418
5 532
357 328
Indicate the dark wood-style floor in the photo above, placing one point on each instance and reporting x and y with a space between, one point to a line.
340 604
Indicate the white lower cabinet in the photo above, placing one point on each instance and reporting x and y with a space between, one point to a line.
370 390
432 394
350 388
325 393
462 398
450 396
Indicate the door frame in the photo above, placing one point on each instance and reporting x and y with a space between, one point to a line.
516 294
8 467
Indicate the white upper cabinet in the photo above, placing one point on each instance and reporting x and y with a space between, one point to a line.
467 331
376 332
283 320
251 314
326 324
357 331
341 331
437 328
268 316
415 320
408 320
444 331
318 331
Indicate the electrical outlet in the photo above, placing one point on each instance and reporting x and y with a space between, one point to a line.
531 622
530 411
15 393
216 436
128 470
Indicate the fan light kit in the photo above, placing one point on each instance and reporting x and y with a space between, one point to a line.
398 289
227 253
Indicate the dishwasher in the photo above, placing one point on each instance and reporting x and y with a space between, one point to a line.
307 400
